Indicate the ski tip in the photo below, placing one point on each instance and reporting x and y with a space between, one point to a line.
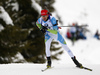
90 70
87 68
46 69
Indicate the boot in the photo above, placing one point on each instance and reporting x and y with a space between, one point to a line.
48 62
76 62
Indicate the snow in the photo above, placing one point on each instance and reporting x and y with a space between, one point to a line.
1 27
35 69
15 6
86 51
5 16
36 6
82 12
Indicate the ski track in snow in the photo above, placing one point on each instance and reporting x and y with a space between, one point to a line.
35 69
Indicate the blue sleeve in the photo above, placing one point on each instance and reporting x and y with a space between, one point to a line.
53 20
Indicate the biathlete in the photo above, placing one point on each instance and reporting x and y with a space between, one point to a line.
48 25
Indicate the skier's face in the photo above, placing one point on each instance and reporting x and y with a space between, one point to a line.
45 17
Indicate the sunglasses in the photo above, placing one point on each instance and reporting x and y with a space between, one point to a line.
44 16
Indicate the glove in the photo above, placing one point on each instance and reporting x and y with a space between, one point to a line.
44 29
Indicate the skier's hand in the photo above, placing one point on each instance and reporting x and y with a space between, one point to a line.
44 29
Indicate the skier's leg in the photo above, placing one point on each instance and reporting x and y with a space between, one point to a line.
76 62
48 40
49 62
47 45
64 45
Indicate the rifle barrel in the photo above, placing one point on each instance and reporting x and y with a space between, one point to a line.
74 26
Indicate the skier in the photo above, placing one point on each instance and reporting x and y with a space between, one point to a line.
48 25
73 33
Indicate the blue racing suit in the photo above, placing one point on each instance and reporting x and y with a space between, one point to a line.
52 33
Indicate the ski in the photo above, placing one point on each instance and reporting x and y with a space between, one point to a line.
46 69
85 68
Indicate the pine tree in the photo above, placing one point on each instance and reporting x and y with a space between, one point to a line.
19 38
32 43
10 44
47 3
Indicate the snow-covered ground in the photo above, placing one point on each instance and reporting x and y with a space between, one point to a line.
35 69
